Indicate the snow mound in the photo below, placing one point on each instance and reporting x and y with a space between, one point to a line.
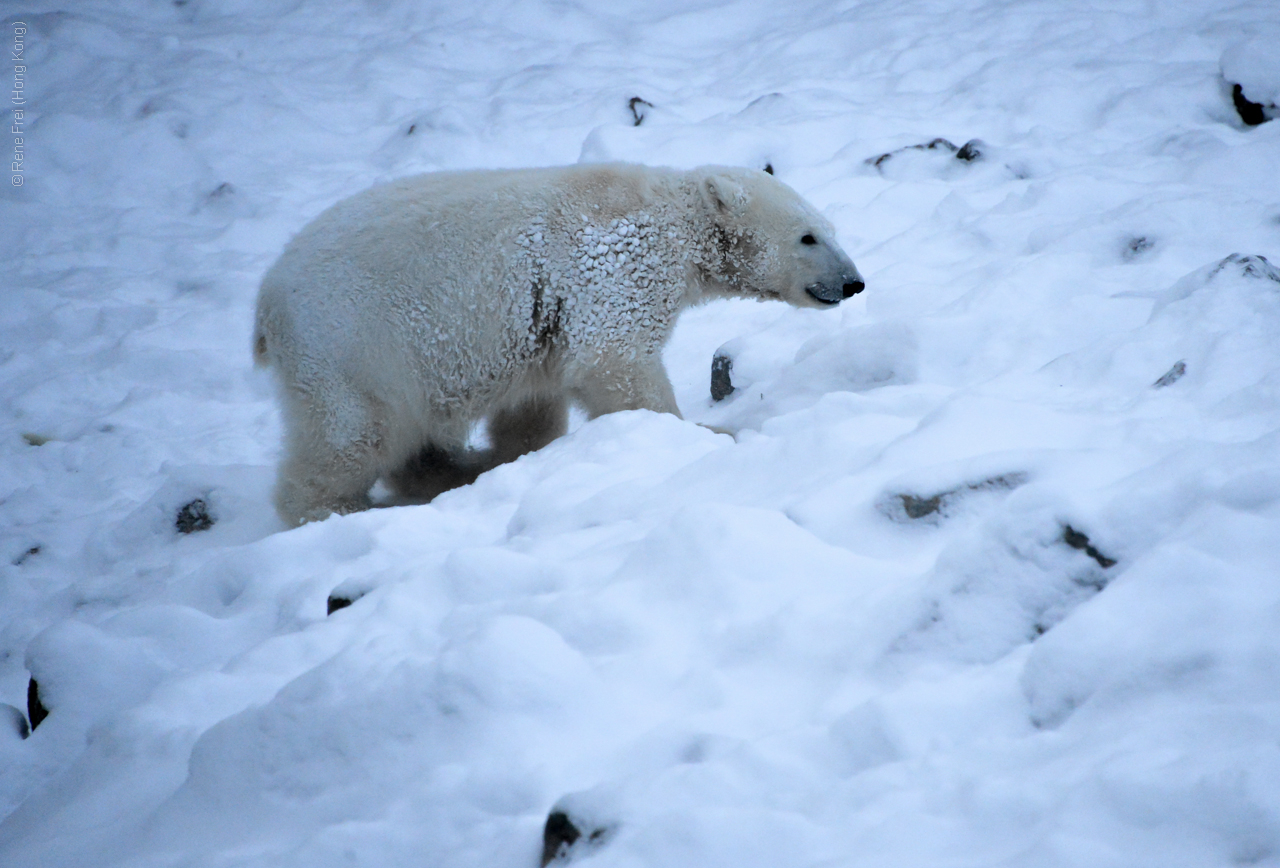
1254 64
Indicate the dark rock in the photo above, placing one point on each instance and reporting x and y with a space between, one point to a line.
29 553
721 369
1252 113
919 507
935 145
561 833
338 602
1077 540
970 151
1171 376
222 191
638 107
916 506
768 167
16 720
347 592
36 712
1135 247
193 517
1256 267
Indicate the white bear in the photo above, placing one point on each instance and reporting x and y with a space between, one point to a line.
402 316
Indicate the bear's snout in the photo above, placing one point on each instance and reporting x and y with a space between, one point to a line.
846 286
825 294
838 277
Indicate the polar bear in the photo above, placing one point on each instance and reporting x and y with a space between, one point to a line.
404 315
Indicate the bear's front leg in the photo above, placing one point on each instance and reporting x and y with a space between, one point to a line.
614 385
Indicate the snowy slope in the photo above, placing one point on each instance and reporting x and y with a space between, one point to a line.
988 575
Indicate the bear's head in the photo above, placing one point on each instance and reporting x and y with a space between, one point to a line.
765 241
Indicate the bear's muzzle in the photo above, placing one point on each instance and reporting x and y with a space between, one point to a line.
833 293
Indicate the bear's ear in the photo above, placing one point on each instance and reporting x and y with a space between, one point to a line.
724 195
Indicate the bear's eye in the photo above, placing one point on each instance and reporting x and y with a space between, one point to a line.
808 239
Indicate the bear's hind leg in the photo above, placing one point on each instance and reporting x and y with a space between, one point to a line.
332 458
528 426
513 431
310 488
434 470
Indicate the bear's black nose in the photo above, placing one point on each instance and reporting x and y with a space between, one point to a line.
852 289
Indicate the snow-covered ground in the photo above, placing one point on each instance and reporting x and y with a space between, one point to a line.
967 588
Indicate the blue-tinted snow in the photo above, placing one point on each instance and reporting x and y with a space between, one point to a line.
732 651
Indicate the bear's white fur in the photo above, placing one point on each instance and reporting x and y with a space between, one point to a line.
402 316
